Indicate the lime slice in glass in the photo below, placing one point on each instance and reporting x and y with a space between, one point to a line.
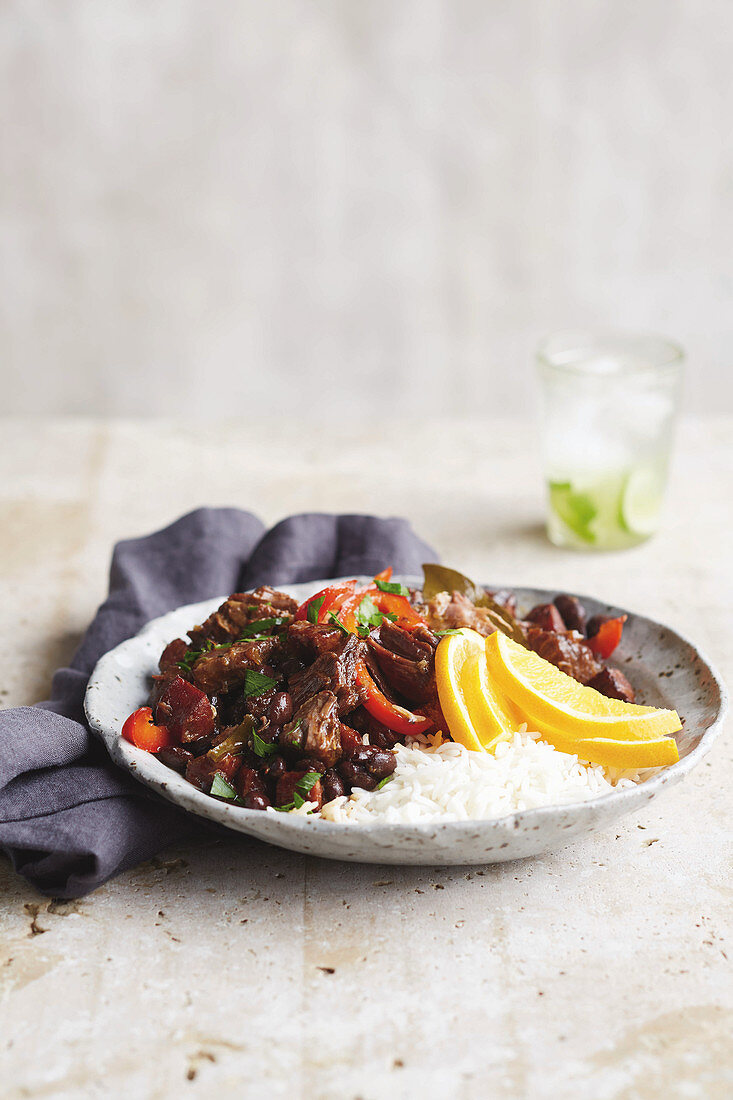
641 501
575 508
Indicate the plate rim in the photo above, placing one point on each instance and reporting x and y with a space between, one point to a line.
189 798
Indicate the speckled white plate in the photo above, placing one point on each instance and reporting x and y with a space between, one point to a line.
665 669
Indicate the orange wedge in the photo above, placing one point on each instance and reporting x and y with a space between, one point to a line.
634 755
493 716
478 716
579 719
450 658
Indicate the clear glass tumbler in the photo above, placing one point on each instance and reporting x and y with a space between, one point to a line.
609 405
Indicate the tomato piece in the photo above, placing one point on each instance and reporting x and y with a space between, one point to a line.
141 731
394 717
328 598
608 637
385 575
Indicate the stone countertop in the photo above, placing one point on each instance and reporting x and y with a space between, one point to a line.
231 968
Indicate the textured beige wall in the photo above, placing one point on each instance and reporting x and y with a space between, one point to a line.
211 205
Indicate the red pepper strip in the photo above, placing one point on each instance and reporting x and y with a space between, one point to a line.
349 607
140 729
394 717
608 637
389 603
385 575
329 597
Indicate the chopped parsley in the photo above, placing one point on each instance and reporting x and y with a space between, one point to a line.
222 788
303 788
392 586
382 782
314 608
333 617
453 630
369 615
191 656
189 659
259 627
256 683
262 748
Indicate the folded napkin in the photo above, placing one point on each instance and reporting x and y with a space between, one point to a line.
69 818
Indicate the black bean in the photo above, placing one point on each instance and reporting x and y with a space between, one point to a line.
356 776
383 763
256 800
175 757
280 709
378 762
310 764
202 745
383 739
362 755
276 767
332 785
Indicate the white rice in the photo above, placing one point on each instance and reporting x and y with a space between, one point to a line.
436 780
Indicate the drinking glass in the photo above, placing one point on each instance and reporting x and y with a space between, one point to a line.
609 405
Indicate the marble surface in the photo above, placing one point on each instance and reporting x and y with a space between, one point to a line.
231 968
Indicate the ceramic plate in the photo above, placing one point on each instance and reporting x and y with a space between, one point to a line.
665 669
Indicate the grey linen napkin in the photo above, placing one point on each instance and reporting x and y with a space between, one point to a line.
69 818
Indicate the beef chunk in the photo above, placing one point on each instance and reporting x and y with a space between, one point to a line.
169 670
572 611
410 678
238 611
569 652
453 610
220 670
202 769
310 640
160 685
431 709
287 785
172 654
335 672
547 617
612 683
418 643
186 711
350 737
315 729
